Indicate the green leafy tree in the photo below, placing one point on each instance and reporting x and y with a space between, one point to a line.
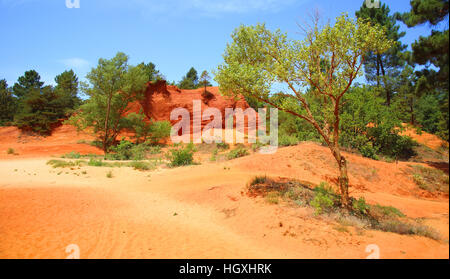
67 89
384 67
152 73
431 50
30 81
407 95
39 111
327 61
113 85
205 79
190 80
8 104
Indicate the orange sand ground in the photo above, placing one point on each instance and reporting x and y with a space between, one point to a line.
430 140
196 211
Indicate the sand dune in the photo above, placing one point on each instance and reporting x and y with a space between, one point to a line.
200 212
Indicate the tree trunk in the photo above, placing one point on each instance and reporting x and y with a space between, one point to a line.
378 70
388 93
105 140
343 182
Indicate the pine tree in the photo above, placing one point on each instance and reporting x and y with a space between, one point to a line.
384 68
30 81
190 80
8 103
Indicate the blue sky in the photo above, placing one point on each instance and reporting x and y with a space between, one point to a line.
174 34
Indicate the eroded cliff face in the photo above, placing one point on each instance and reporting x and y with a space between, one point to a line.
160 99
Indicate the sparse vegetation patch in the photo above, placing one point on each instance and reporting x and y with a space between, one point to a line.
324 200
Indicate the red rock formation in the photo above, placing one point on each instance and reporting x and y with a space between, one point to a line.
160 99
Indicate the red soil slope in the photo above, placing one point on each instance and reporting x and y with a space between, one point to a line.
161 99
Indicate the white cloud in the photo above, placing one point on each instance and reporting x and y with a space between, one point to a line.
75 63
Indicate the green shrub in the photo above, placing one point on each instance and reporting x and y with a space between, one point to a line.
10 151
324 199
222 145
382 212
63 164
273 197
214 155
237 153
137 165
159 130
287 140
109 174
367 150
430 179
258 180
95 163
322 203
181 156
360 206
72 155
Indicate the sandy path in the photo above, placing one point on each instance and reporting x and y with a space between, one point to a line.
188 212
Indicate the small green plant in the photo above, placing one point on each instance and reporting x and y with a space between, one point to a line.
287 140
95 163
258 180
214 155
138 165
109 174
360 206
10 151
273 197
222 145
369 151
63 164
237 153
181 156
430 179
72 155
322 203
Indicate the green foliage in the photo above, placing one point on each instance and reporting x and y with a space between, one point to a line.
259 58
72 155
190 80
67 90
138 165
368 150
223 145
113 85
95 163
10 151
159 130
383 68
324 199
109 174
30 81
8 103
428 114
204 80
237 153
258 180
273 197
371 127
286 140
39 111
181 156
430 179
126 150
360 206
63 164
382 212
151 72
